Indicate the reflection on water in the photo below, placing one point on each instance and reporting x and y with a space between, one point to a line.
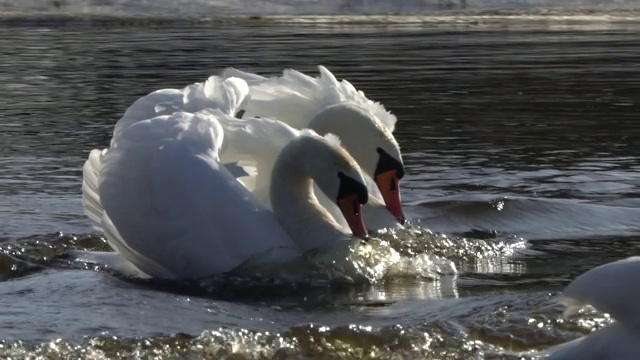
506 135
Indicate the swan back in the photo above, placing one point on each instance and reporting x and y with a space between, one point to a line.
611 288
615 341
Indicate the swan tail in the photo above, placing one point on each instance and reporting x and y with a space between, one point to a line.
90 186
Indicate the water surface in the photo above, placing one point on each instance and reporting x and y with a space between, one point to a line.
521 155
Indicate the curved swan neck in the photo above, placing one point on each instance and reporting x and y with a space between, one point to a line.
295 204
355 127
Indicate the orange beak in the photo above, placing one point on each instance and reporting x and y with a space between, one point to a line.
388 184
352 211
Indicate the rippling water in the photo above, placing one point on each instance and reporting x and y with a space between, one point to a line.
522 169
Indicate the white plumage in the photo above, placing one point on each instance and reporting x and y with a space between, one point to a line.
327 105
171 208
611 288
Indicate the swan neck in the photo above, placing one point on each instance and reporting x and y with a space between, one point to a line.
295 205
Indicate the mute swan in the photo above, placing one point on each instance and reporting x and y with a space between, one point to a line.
169 207
327 105
611 288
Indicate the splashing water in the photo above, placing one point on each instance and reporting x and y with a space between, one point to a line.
411 251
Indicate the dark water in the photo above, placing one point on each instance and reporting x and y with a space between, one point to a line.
521 148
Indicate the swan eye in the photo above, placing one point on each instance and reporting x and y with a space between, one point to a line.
349 186
387 163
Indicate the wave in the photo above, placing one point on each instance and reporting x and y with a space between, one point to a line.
530 218
410 252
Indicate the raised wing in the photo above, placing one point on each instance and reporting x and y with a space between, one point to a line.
170 204
295 97
227 95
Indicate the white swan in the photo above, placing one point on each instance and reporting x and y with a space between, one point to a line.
169 207
327 105
612 288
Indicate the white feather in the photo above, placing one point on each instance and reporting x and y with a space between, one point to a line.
334 139
295 97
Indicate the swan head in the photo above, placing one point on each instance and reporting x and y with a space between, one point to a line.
371 144
338 176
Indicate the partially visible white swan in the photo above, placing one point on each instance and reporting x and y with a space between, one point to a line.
168 205
613 288
327 105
